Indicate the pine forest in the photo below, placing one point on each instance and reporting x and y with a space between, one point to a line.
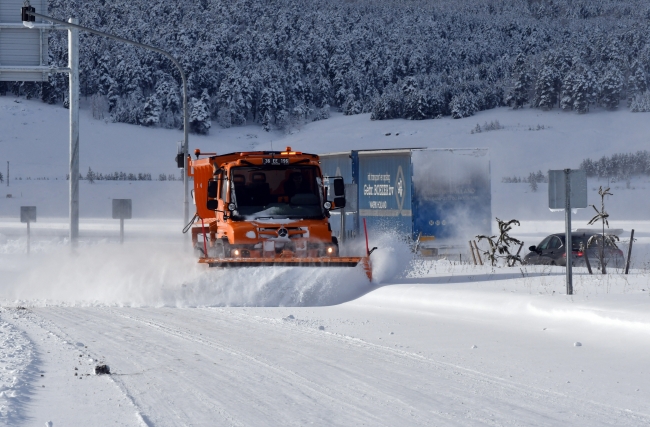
281 63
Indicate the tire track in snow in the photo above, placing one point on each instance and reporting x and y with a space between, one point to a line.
313 387
144 416
136 394
512 394
534 392
372 383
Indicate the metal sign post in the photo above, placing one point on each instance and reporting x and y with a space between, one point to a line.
28 215
122 210
567 189
568 245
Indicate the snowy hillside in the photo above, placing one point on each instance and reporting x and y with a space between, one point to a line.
519 148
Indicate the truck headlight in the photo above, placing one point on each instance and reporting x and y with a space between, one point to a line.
231 206
327 205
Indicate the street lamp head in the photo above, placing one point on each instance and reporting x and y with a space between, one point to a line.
26 13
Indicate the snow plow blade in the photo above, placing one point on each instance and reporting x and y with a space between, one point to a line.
290 262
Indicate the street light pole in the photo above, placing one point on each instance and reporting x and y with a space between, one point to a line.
73 64
74 25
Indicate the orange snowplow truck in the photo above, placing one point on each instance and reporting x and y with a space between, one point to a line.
266 208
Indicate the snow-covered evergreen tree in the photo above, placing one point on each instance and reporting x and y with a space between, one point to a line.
199 115
265 110
585 90
415 102
519 95
463 105
90 176
547 88
640 103
610 88
351 106
567 96
151 112
637 82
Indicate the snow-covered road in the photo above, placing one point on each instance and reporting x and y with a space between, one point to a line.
383 359
444 344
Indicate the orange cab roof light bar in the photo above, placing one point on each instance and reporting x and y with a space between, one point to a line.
288 152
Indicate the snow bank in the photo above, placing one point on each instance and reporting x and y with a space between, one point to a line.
612 301
16 355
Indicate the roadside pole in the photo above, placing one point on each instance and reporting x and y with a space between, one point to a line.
122 209
567 189
28 215
629 253
568 247
73 64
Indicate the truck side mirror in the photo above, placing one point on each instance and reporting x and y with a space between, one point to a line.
213 187
339 193
212 205
339 188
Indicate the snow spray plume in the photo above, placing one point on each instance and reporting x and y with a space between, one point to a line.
392 258
271 286
164 273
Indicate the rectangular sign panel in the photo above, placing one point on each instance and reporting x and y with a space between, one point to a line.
28 214
21 46
557 189
121 208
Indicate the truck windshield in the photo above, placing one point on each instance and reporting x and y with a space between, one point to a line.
276 192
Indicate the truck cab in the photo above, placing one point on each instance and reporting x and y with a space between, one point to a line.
263 205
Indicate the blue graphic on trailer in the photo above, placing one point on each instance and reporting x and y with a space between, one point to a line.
385 190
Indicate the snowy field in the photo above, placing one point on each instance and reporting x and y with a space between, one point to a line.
428 343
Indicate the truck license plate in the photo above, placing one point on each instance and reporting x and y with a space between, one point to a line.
275 161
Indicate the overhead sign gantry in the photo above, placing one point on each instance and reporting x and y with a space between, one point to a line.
31 19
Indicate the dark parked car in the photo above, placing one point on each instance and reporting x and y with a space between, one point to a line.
551 251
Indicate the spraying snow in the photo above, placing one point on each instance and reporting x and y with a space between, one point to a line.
164 273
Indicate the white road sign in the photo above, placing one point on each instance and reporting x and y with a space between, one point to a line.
557 189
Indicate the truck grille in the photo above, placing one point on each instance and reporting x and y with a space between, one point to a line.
292 232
